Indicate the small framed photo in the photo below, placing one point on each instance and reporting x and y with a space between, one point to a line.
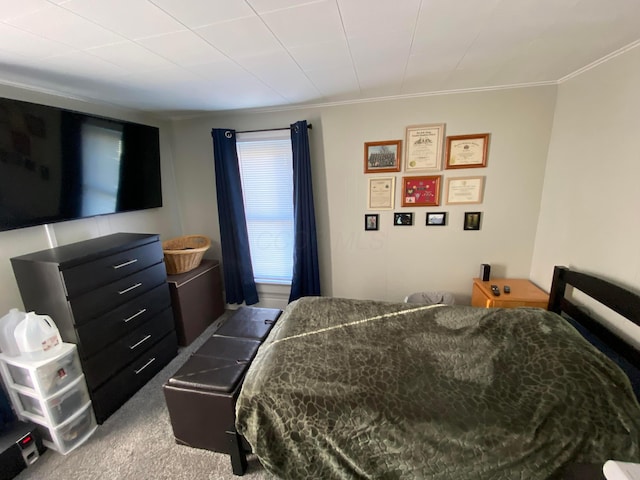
467 151
436 219
380 157
472 220
371 221
403 218
421 191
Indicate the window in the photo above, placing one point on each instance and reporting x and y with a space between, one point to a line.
101 155
266 170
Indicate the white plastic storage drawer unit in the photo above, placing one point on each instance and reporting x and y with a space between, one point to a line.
52 393
72 433
58 408
44 377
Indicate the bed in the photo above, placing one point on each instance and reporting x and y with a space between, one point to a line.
348 389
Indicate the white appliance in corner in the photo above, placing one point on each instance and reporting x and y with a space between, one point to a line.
52 393
615 470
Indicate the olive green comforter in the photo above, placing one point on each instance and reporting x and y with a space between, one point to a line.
350 389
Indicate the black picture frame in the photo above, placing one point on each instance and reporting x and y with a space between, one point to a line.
436 219
402 219
371 221
472 220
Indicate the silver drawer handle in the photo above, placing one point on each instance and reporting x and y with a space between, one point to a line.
115 267
121 292
140 342
145 365
140 312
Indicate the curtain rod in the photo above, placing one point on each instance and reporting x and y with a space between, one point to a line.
270 129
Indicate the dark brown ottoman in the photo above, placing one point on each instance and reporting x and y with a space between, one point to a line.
201 395
250 322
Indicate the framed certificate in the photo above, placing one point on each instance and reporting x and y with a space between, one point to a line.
381 193
464 190
423 147
467 151
421 191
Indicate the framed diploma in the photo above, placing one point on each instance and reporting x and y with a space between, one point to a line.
463 190
467 151
421 191
382 157
381 193
423 147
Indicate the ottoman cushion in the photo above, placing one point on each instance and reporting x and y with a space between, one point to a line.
250 322
205 373
229 347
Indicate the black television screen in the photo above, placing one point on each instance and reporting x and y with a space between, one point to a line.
58 164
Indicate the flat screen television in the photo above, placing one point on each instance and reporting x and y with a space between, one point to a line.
58 164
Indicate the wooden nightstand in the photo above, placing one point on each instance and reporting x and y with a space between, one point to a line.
523 294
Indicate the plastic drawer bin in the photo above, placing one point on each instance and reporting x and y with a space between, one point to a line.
59 407
46 377
72 433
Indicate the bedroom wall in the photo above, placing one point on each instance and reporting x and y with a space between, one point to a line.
164 221
395 261
589 212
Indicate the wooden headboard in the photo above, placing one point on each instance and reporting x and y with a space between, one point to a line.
619 299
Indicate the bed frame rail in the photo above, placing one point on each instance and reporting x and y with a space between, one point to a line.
617 298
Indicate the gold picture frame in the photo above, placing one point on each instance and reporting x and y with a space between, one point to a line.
382 157
421 191
467 151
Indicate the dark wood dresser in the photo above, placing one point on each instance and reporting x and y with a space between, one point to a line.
108 295
197 301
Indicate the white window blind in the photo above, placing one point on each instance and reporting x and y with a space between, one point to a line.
101 155
266 170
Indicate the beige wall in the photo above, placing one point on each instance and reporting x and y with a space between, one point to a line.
584 217
589 213
164 221
395 261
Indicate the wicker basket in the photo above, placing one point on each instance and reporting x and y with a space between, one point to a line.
184 253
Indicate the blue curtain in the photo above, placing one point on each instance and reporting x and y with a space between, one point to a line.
7 417
306 273
236 256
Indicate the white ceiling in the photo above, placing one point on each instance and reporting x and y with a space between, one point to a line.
179 56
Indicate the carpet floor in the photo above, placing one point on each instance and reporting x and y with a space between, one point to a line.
137 442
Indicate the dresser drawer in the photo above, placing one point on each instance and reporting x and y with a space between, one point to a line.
91 275
100 332
96 303
108 398
100 367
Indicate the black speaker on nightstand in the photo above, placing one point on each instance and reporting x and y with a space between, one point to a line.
485 272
